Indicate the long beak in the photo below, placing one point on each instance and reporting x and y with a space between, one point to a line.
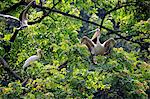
96 30
96 34
92 31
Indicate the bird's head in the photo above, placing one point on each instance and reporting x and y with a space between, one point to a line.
40 52
96 34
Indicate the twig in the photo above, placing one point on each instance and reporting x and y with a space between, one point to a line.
12 39
63 65
24 83
44 15
73 16
13 7
114 9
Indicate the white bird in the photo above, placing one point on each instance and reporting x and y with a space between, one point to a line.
95 46
23 20
33 58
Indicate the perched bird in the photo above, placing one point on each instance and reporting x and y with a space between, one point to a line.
23 20
95 46
33 58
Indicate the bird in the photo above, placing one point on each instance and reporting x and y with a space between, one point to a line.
96 47
23 20
33 58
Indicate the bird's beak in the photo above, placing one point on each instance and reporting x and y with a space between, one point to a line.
96 34
92 31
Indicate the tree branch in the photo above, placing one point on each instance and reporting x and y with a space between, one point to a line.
44 15
12 39
114 9
65 14
63 65
6 67
73 16
87 21
13 7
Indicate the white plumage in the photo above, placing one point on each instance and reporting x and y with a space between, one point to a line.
95 46
32 58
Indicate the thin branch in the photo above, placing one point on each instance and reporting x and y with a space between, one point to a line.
44 15
6 67
12 39
73 16
87 21
114 9
137 42
63 65
24 83
13 7
69 15
128 39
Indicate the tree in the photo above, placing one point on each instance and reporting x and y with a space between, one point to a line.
66 70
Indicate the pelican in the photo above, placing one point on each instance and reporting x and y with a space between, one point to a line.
95 46
33 58
23 20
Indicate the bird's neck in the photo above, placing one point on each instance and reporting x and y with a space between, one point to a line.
39 55
97 41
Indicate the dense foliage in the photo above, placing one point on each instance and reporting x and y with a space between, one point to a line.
124 73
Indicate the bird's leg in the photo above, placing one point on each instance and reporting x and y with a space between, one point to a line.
93 58
92 51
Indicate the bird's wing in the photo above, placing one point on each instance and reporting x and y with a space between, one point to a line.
23 15
9 16
88 42
108 44
29 60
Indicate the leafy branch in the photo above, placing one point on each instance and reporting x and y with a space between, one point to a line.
6 67
45 14
13 7
72 16
114 9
